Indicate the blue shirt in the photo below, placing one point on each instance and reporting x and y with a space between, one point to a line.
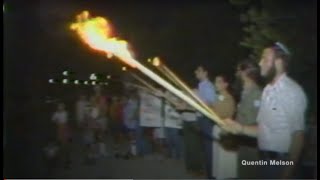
207 92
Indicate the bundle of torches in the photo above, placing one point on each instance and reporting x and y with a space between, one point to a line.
96 32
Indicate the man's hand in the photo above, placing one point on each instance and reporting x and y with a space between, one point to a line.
232 126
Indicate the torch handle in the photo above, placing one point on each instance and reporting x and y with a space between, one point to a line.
175 91
187 89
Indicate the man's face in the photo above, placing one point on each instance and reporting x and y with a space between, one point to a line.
200 73
267 66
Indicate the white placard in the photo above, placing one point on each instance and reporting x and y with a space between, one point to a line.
150 110
172 118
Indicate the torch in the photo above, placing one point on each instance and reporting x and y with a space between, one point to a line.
174 78
96 31
153 90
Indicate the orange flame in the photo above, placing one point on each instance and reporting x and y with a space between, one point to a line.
96 32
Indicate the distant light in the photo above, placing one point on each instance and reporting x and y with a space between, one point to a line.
65 81
76 82
106 83
93 83
93 77
108 77
86 83
65 73
124 68
149 60
4 7
51 81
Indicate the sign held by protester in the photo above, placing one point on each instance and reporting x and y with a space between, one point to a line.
150 110
172 118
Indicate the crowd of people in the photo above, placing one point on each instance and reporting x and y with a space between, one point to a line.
261 123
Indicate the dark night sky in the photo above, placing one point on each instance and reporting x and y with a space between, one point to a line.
186 34
39 45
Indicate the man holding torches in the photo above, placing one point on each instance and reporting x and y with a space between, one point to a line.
281 117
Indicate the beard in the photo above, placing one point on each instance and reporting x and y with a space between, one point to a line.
270 75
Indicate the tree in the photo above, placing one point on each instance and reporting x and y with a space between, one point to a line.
290 22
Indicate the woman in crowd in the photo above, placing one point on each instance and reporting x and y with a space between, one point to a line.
225 159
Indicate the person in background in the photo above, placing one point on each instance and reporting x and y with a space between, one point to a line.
173 134
207 93
115 123
81 106
191 139
281 117
158 141
102 128
142 140
130 115
225 158
60 118
118 126
249 74
51 152
91 131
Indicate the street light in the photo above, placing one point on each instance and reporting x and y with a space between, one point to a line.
76 82
51 81
108 77
65 81
65 73
86 83
93 83
124 68
93 76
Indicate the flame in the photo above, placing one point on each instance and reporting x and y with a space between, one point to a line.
96 32
156 61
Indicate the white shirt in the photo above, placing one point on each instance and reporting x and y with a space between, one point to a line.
281 113
60 117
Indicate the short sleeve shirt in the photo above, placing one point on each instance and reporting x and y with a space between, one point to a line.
207 92
248 107
282 113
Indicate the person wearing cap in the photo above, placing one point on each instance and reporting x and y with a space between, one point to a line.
249 74
280 120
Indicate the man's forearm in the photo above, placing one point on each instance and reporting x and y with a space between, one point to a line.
294 153
296 146
251 131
